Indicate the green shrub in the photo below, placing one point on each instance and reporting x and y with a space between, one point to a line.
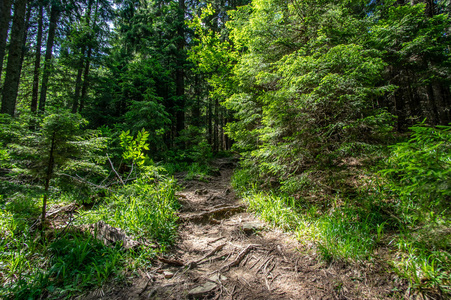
419 170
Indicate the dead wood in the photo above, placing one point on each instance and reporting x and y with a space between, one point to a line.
111 236
199 261
55 211
68 208
258 260
240 257
215 240
264 264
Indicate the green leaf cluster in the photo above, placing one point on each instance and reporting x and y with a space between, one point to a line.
419 169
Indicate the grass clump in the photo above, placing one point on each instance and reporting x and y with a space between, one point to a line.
71 264
144 210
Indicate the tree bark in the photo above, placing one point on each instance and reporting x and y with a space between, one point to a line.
48 177
81 66
84 89
5 18
180 73
25 35
54 16
37 62
77 86
13 67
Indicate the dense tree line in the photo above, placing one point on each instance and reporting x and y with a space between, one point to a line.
121 63
318 78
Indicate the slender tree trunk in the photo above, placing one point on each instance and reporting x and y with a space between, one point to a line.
25 35
210 123
48 177
216 129
196 108
433 104
81 67
414 100
12 78
5 18
84 89
77 86
54 16
37 62
221 130
179 73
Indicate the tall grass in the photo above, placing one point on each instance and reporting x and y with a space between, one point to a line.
64 264
347 233
142 210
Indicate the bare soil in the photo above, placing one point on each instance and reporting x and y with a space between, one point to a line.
224 252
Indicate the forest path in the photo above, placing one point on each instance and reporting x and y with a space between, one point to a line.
224 252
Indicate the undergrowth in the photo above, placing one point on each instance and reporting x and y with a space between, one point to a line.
67 261
400 206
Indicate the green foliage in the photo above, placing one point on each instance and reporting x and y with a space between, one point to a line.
419 169
143 209
75 149
76 263
134 147
305 98
343 233
425 259
198 171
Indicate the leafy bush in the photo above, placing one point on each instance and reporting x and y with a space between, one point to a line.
419 170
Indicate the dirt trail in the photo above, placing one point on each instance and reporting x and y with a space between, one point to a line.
224 252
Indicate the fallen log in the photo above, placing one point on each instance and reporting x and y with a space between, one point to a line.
111 236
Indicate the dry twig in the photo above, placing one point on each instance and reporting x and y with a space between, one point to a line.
240 257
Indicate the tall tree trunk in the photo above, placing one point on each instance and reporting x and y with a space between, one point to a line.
196 108
216 127
78 85
12 77
179 73
78 82
433 104
414 100
84 89
210 123
37 62
54 16
5 18
25 35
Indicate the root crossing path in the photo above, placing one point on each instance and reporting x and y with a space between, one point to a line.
224 252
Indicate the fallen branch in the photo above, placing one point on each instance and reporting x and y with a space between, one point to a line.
114 170
264 264
197 262
111 235
78 178
240 257
258 260
215 240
